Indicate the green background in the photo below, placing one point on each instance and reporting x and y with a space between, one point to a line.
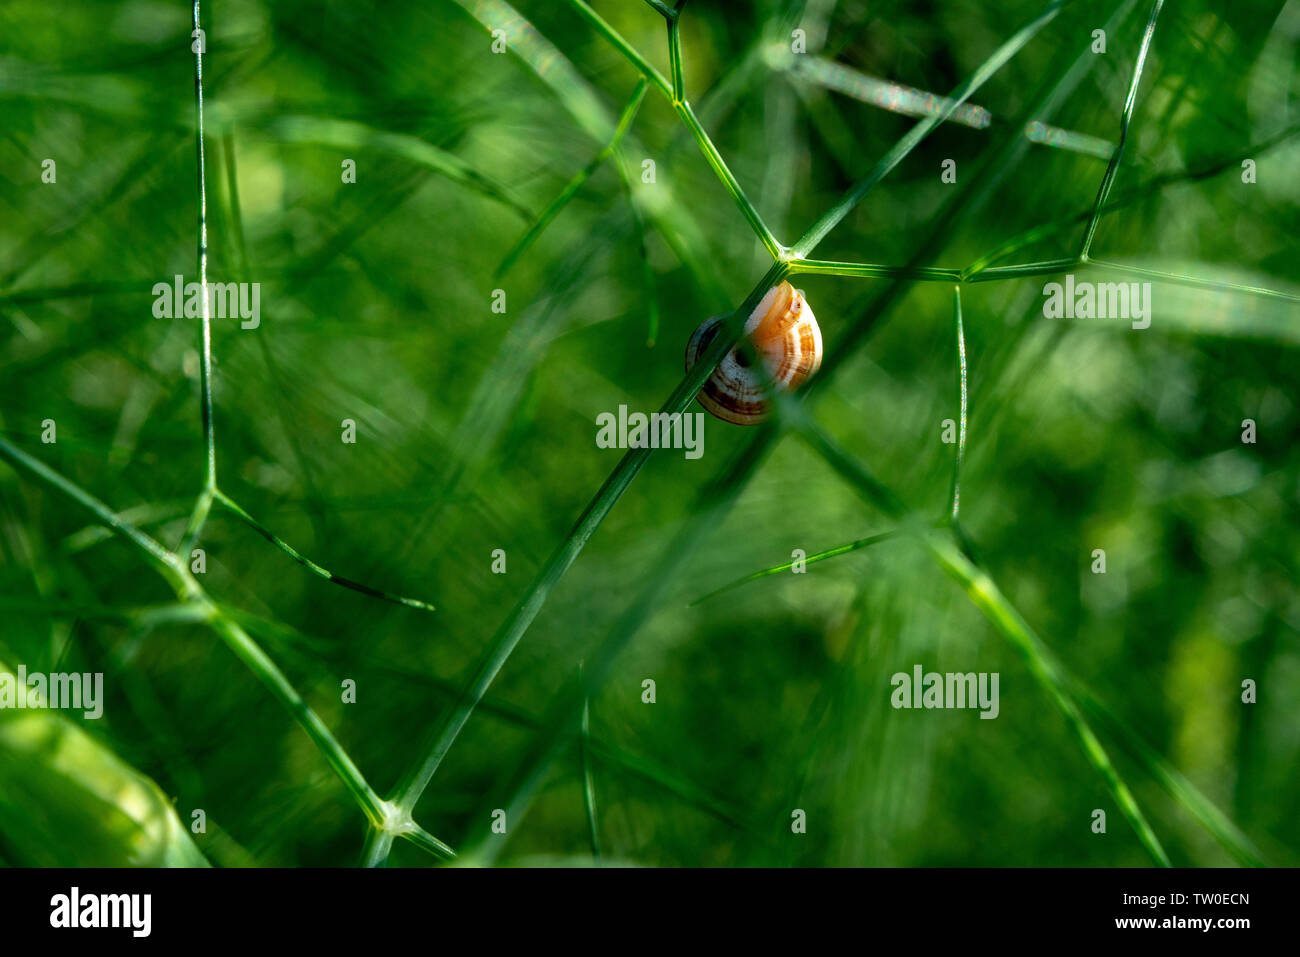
475 430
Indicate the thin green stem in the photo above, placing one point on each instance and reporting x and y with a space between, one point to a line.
198 519
961 389
249 652
1131 195
828 74
1027 238
427 842
977 273
808 560
1047 267
874 270
729 181
675 92
1217 824
833 216
114 520
1112 168
234 507
516 623
205 356
588 782
713 503
986 596
379 844
622 46
311 652
984 593
235 637
675 59
576 183
1194 281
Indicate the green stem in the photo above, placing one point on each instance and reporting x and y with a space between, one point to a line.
160 555
427 842
230 504
249 652
575 184
675 59
198 519
809 560
985 595
713 503
1194 281
205 357
728 180
1217 824
874 270
675 92
961 388
623 47
1047 267
833 216
548 577
588 782
1132 195
1112 168
379 844
235 637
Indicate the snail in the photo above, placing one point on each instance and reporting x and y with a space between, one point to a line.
784 332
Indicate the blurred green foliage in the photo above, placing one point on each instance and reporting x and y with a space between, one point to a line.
475 430
67 801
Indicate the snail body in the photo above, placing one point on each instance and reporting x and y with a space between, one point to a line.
785 335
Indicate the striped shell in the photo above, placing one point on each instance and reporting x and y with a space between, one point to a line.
784 332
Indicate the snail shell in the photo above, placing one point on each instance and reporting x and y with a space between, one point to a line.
784 333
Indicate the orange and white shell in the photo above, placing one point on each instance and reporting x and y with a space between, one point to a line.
784 333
